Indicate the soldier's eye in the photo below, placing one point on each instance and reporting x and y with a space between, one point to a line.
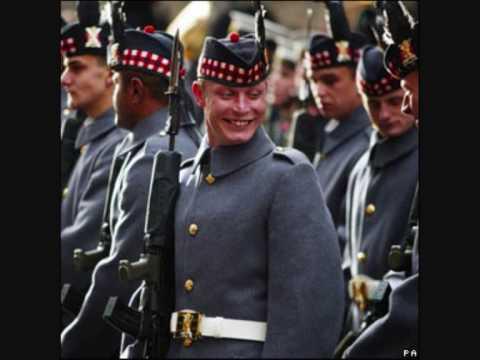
396 101
226 95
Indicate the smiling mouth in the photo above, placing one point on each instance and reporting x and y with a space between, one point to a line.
239 123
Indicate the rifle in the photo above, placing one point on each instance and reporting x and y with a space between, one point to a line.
150 325
260 14
377 308
71 298
400 256
69 155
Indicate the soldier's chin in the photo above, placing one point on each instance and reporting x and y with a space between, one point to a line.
72 104
240 138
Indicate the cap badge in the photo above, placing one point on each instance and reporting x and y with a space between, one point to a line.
343 53
93 38
406 52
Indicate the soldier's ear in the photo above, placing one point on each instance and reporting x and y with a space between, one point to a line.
198 93
136 90
109 79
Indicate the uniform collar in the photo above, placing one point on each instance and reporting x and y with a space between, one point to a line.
227 159
94 128
387 150
348 127
145 128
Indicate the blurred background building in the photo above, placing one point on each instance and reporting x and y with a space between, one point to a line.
288 13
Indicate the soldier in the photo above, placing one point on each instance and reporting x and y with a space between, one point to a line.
140 60
283 90
382 183
331 63
89 86
396 333
255 254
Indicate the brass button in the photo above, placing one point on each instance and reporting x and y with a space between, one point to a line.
65 192
193 229
187 342
82 149
188 285
210 179
370 209
361 256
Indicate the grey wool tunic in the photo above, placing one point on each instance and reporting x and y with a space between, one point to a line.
264 249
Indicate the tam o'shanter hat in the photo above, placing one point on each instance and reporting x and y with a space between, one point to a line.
87 36
236 61
401 31
372 77
147 50
341 48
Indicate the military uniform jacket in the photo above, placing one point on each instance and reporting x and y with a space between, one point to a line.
89 335
341 149
264 249
84 198
379 198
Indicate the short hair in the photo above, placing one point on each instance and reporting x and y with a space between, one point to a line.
101 60
156 85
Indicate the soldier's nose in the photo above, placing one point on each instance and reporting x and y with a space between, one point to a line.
65 79
241 105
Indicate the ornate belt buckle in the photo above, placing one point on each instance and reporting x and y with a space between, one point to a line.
188 326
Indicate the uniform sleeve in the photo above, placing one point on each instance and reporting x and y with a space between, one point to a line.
85 230
89 335
305 284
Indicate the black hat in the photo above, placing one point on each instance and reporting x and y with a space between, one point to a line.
342 48
401 31
234 61
139 13
146 50
366 21
87 36
372 77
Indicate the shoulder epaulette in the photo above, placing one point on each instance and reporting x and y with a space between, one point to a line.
294 156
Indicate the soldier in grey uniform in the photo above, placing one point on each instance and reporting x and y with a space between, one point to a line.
257 262
331 63
140 60
89 86
382 184
396 333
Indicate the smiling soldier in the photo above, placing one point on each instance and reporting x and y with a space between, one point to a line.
257 260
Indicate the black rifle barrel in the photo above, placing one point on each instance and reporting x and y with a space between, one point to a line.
71 299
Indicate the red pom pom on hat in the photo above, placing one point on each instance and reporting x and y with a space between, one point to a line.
149 29
234 37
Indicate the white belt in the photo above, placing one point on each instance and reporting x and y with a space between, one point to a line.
189 324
